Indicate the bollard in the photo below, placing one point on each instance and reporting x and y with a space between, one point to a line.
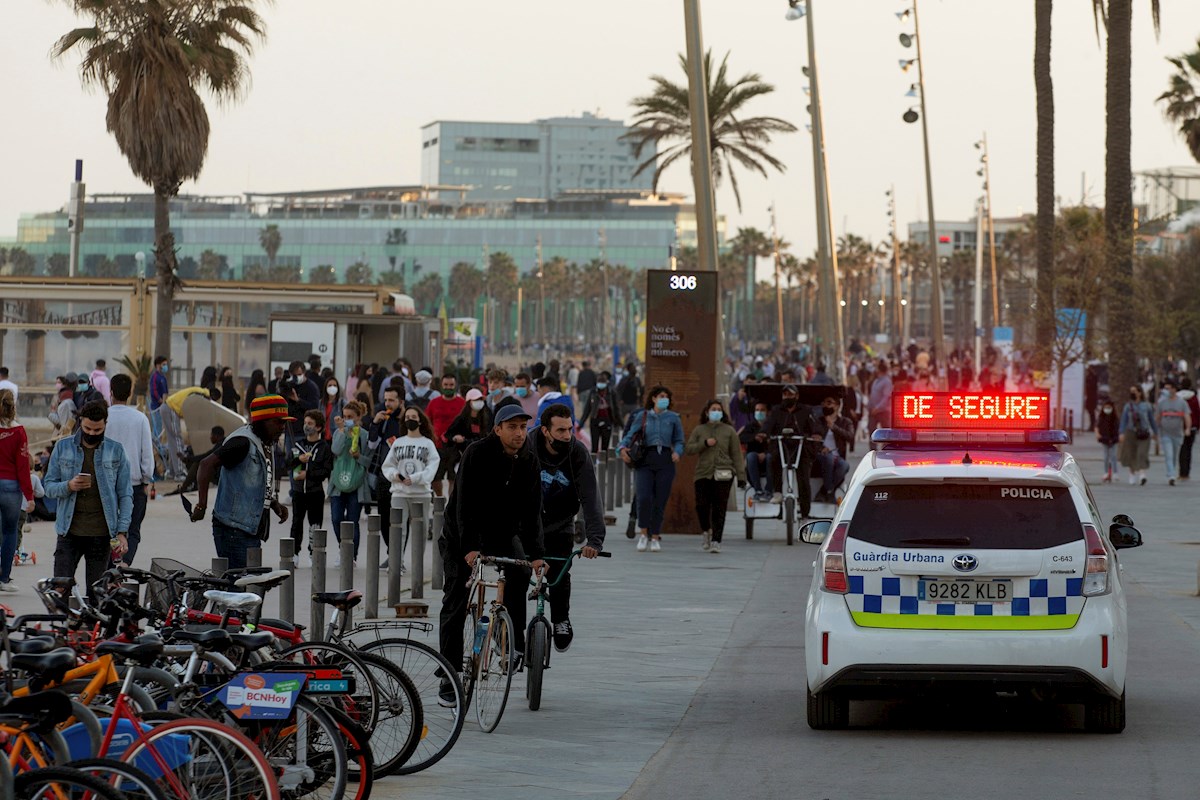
220 566
254 557
287 590
395 555
371 606
346 551
416 570
619 500
439 519
610 478
317 611
601 475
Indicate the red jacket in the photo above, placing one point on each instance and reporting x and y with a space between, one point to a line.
14 459
441 413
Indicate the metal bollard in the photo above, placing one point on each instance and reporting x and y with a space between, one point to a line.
254 557
395 555
619 500
371 606
317 610
346 550
601 474
416 570
219 566
610 478
287 590
435 530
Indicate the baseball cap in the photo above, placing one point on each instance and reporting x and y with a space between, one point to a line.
474 394
511 411
269 406
791 387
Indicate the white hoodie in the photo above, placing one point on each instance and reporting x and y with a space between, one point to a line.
414 458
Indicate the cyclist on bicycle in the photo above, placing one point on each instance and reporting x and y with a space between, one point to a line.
568 480
496 475
793 414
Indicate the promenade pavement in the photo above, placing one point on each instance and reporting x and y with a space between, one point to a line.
618 708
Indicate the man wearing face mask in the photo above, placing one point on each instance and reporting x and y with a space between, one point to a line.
754 439
791 415
1108 433
89 476
836 432
386 427
568 480
525 394
311 461
307 393
601 413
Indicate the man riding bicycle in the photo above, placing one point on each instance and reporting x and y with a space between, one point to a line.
568 480
496 475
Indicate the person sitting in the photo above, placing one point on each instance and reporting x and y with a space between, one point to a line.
836 432
754 439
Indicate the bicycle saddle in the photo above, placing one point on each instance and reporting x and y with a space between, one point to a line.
342 601
57 583
268 580
217 639
51 666
237 601
45 709
240 572
253 641
281 624
144 651
34 645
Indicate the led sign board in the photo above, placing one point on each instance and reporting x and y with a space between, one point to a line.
970 411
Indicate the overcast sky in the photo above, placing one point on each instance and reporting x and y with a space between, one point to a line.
340 91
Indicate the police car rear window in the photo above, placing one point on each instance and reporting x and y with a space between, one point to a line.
966 515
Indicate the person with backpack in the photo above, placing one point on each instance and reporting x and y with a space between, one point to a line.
629 391
348 489
422 392
1136 431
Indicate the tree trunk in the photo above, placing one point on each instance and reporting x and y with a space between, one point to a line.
1118 202
164 267
1044 87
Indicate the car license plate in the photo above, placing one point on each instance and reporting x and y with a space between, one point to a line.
965 591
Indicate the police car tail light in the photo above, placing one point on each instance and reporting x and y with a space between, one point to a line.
833 565
1095 579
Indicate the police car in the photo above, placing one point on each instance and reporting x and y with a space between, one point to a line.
968 554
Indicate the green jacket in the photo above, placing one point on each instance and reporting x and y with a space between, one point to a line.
725 454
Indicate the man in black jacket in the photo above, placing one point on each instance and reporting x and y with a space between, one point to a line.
495 509
386 426
837 433
796 417
568 480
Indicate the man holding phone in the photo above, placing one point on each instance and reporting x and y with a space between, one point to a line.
89 476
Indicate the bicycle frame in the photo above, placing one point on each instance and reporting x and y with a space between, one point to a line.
122 709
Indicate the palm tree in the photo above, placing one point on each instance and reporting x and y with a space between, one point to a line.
750 244
502 280
735 138
1182 99
283 273
466 285
22 262
212 265
1044 88
107 268
270 239
150 57
426 293
324 274
358 274
1117 16
57 265
255 273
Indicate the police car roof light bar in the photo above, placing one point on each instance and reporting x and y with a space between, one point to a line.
893 436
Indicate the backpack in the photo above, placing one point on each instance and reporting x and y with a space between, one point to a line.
630 390
1140 431
347 473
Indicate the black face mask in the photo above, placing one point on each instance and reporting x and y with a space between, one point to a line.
412 424
789 402
93 439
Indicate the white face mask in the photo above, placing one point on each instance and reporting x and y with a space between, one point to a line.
477 404
331 391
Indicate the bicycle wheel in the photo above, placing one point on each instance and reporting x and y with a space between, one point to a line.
307 751
363 705
133 783
442 724
537 658
62 783
358 754
201 759
493 672
467 669
401 718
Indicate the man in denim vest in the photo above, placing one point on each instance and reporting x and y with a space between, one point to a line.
246 493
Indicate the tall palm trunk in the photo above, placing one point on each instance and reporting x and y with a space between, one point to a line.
1044 87
164 267
1118 201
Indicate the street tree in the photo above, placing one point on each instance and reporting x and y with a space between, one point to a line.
270 239
466 287
152 58
427 292
1182 99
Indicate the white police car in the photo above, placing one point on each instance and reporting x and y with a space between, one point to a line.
968 554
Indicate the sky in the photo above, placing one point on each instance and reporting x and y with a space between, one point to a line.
339 93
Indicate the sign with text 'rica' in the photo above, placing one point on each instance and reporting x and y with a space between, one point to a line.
970 411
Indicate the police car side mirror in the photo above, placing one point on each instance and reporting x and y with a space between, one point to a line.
815 532
1123 536
1123 519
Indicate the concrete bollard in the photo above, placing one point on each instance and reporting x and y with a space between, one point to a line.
610 478
317 611
287 590
439 520
601 475
416 570
346 551
395 555
219 566
619 500
371 606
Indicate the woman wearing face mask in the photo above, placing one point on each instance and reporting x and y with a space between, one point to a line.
721 461
349 492
1108 433
208 381
601 413
16 487
472 423
332 404
410 466
310 461
229 396
661 433
1136 431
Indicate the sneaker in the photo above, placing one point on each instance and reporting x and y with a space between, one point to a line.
777 497
518 661
715 549
563 634
447 697
8 586
655 545
705 540
642 542
1171 482
383 564
1143 481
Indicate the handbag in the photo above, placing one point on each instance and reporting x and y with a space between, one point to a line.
348 474
637 445
1140 431
722 474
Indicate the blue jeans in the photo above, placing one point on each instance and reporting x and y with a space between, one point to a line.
833 469
11 501
232 544
1111 466
653 486
1170 448
756 470
345 507
156 429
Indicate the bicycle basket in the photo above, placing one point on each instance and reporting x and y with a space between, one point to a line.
158 595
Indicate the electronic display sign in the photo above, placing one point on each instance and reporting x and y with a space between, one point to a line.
970 411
